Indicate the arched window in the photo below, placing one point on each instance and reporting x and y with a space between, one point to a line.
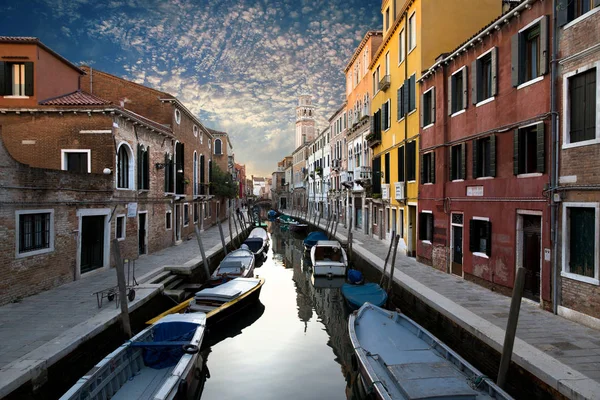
143 168
202 175
218 146
169 174
124 167
195 180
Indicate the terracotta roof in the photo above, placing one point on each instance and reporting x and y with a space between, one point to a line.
77 98
147 121
215 132
36 41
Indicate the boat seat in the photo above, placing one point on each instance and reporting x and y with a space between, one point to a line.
158 344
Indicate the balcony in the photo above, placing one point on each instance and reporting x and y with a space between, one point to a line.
374 139
362 174
336 164
384 83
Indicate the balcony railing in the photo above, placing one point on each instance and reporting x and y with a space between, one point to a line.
384 83
374 139
362 173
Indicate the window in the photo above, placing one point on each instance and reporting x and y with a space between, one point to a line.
168 220
480 236
76 161
177 116
35 232
386 119
143 168
376 177
458 91
400 112
401 224
484 157
401 164
426 226
529 49
458 165
195 129
16 79
386 176
169 174
484 72
124 167
412 94
529 150
196 213
120 227
582 116
428 108
428 167
387 63
580 241
186 214
568 10
401 50
412 29
218 146
387 19
411 161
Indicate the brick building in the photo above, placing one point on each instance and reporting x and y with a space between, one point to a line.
485 155
578 196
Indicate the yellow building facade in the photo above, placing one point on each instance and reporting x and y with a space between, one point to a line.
415 33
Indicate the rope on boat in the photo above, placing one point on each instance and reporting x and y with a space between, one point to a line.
477 380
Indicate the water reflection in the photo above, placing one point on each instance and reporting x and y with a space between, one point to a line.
295 347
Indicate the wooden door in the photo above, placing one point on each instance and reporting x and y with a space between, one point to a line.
532 235
457 250
142 233
92 242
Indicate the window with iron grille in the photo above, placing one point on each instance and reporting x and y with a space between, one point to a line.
186 214
168 220
35 231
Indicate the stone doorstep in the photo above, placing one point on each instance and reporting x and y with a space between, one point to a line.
555 374
31 365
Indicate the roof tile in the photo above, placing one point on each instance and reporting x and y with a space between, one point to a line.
78 98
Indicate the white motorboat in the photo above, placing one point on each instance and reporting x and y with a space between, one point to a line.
328 258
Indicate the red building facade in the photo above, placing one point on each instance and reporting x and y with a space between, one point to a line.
485 155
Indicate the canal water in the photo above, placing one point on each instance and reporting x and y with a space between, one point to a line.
293 345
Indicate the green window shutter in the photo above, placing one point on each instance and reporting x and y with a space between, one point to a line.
562 8
139 166
406 91
464 88
494 71
432 170
493 155
515 54
166 169
401 164
433 105
475 161
387 167
488 246
373 123
516 152
472 239
413 93
463 161
450 95
422 168
399 101
544 56
3 73
452 172
474 88
147 169
541 148
28 79
421 111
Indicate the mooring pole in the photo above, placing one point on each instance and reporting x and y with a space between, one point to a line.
237 235
511 327
201 246
116 250
387 258
221 229
395 239
230 228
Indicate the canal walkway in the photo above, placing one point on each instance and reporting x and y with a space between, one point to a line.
39 330
562 353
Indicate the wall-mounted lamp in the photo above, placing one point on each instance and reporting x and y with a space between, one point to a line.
107 171
159 165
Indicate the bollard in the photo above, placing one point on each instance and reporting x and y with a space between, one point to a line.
201 246
116 250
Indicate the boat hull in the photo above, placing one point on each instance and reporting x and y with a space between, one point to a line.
329 270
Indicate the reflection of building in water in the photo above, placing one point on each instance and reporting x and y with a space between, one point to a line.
303 294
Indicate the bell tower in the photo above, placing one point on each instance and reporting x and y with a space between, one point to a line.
305 120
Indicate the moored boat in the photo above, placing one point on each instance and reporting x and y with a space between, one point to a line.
399 359
313 238
357 295
328 258
160 362
297 227
258 242
237 264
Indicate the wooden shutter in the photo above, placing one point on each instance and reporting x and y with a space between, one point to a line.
516 152
413 93
464 88
544 56
494 71
472 244
493 155
450 95
432 169
422 165
515 54
430 220
474 88
373 123
28 79
451 148
3 79
541 148
406 92
139 163
399 101
562 8
432 105
166 168
475 161
387 168
401 164
147 169
488 231
421 107
463 161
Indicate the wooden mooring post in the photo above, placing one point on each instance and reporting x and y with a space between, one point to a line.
221 229
116 250
201 246
395 240
387 257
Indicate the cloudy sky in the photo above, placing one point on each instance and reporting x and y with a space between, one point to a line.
238 64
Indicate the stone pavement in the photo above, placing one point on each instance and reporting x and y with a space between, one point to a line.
562 353
41 329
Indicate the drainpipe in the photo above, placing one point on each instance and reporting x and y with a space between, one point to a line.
555 158
406 208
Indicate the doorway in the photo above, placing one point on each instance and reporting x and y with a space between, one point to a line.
142 233
394 228
177 222
457 244
412 231
92 242
529 253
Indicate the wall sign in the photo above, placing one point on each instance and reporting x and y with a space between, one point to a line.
474 190
131 210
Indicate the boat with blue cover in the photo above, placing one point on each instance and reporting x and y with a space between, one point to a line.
400 360
258 242
238 263
357 295
313 238
162 362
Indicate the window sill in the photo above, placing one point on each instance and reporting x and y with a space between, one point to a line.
483 102
482 255
428 126
581 18
34 253
16 97
411 112
580 278
411 50
401 119
426 241
427 183
458 113
120 239
483 178
168 229
530 82
130 189
401 61
582 143
530 175
458 180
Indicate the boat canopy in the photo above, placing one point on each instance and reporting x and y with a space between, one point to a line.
258 233
254 243
314 237
228 290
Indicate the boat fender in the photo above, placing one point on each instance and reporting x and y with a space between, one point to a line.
182 389
190 348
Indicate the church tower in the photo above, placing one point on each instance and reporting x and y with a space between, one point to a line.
305 120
